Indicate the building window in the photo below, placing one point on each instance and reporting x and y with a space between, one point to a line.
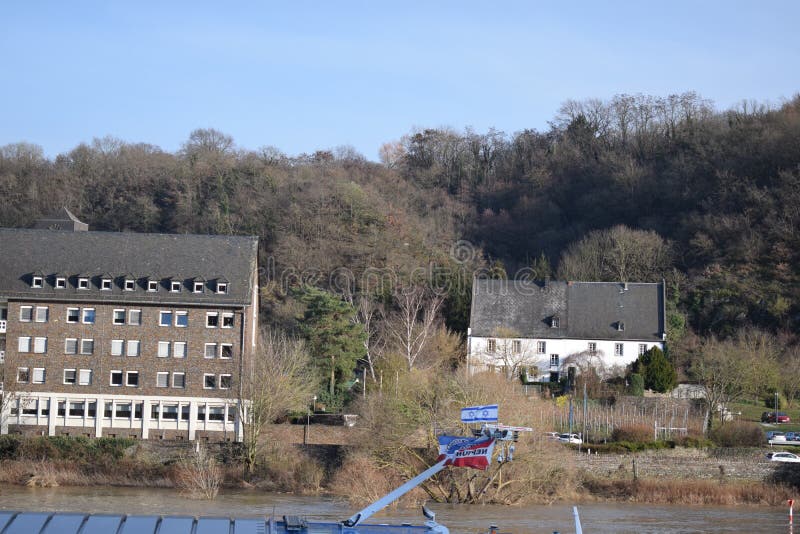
116 378
23 375
119 316
165 318
85 377
225 381
222 287
105 284
211 350
592 347
70 376
212 320
226 351
88 316
152 285
541 347
134 348
179 349
37 281
491 345
618 349
25 314
130 284
123 410
185 412
116 347
38 375
198 287
227 320
175 287
642 349
134 317
162 380
179 380
92 410
73 314
83 283
40 345
201 412
163 349
24 344
182 319
87 346
170 412
70 346
61 282
620 326
28 406
216 413
76 409
42 313
554 360
516 346
132 379
555 321
209 381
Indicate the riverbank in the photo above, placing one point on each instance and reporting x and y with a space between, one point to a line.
666 476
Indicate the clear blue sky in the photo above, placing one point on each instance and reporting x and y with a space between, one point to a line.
303 75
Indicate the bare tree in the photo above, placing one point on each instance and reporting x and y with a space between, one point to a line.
367 315
413 323
510 352
789 376
731 369
278 381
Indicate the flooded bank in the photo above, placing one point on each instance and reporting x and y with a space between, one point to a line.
596 517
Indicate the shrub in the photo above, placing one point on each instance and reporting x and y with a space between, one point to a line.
639 433
9 447
637 385
737 434
199 476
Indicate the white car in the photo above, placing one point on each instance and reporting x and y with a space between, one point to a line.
783 457
570 438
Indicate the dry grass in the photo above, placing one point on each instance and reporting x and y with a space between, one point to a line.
361 481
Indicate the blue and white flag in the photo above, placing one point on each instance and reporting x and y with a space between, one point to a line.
479 414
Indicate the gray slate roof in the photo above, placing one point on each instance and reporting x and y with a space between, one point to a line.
153 256
585 310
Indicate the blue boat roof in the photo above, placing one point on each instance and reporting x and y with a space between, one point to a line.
79 523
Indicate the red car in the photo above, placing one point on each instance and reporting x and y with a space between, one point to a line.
775 417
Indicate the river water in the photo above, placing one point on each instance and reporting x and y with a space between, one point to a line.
595 518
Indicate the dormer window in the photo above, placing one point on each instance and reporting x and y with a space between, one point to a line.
175 286
105 284
222 287
37 281
555 322
620 326
130 284
61 282
198 287
152 285
83 282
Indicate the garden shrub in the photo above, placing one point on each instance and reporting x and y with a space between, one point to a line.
737 434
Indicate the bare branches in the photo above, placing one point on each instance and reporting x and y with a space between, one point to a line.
413 323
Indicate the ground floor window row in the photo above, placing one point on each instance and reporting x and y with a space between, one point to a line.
541 347
124 347
170 411
119 378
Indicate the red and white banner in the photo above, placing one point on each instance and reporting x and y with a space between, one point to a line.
466 452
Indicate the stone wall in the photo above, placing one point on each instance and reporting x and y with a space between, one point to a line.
746 464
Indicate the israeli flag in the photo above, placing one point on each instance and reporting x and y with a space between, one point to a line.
479 414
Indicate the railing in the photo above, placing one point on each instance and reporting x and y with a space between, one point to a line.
3 326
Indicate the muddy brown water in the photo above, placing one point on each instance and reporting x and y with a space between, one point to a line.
595 517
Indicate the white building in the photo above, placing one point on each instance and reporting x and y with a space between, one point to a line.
547 327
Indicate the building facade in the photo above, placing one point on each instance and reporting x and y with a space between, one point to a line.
541 329
123 334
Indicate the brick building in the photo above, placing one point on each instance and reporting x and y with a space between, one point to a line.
125 334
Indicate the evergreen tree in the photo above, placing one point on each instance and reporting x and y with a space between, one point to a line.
335 340
659 373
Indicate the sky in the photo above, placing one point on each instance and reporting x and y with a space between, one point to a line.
304 76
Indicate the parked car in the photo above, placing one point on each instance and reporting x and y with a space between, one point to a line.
783 457
775 417
570 438
792 436
775 435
